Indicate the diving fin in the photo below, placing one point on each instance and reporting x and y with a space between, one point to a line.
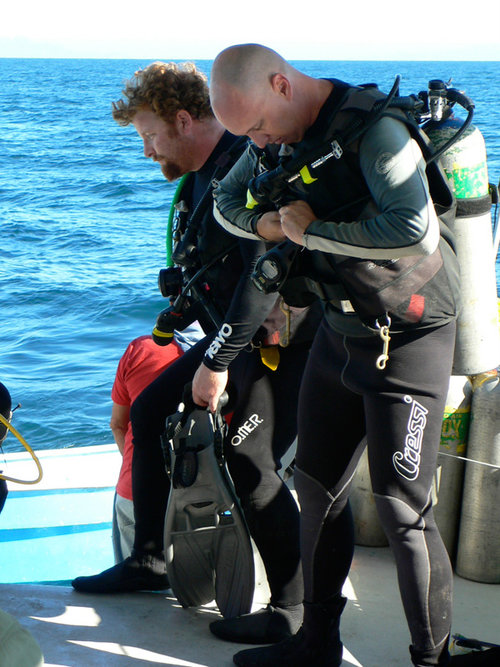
208 550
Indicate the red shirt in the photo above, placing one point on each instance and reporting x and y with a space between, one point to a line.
141 363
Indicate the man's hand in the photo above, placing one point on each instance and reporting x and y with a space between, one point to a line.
208 386
269 227
295 219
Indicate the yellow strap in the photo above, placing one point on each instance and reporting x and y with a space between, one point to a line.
163 334
251 202
306 175
270 356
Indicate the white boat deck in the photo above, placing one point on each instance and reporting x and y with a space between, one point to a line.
130 630
60 529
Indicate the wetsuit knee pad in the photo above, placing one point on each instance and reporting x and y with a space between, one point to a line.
395 514
326 527
315 500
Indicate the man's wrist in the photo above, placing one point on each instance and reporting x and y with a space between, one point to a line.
214 365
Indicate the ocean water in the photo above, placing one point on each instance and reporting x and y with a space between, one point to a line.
83 218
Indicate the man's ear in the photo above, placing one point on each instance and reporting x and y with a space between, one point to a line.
281 85
183 121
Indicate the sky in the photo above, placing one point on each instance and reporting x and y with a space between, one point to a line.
199 29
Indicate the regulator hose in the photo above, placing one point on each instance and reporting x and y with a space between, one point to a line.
169 232
16 433
454 95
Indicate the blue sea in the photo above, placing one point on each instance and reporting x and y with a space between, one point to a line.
83 218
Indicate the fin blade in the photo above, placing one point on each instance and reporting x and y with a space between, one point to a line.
234 571
208 550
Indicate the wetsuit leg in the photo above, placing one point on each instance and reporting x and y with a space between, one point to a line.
331 427
150 483
403 408
404 422
262 429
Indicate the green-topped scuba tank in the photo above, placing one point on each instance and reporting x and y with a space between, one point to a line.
477 346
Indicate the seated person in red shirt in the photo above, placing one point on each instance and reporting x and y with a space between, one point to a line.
140 364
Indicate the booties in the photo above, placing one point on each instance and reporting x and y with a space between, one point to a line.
437 656
266 626
316 644
145 572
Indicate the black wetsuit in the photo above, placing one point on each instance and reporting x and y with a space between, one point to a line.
345 396
263 424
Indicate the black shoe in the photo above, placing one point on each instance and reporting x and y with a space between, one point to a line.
266 626
293 652
133 574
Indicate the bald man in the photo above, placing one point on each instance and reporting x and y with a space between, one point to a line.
384 266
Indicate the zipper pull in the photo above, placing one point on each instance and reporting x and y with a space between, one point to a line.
384 335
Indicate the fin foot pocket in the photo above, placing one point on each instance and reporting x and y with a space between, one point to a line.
185 470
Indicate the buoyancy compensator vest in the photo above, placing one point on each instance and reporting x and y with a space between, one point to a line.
199 247
408 290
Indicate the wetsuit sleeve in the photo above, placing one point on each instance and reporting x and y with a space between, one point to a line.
248 309
230 200
401 220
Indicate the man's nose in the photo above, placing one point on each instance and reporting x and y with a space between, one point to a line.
149 151
260 139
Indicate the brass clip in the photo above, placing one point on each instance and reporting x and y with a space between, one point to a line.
384 331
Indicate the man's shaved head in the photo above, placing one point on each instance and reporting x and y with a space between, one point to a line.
245 66
245 80
255 91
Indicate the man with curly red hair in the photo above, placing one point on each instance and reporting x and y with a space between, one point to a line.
170 108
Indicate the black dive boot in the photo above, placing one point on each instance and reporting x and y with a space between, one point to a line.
145 572
316 644
439 656
265 626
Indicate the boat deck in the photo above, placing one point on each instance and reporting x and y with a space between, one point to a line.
61 527
129 630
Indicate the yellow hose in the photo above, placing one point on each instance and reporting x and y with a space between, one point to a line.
28 448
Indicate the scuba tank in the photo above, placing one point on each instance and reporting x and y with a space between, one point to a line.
448 478
479 537
477 351
477 347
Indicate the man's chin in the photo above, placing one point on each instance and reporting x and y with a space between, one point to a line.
171 171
